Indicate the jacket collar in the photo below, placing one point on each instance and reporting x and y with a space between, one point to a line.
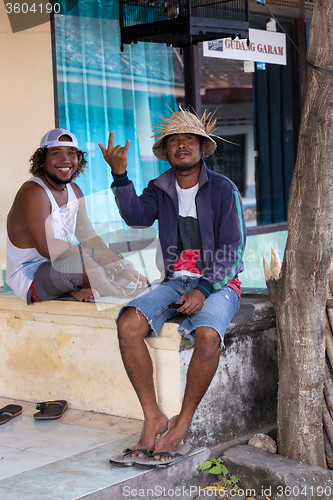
166 181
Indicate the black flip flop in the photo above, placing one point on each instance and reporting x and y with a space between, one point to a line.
126 459
50 410
8 412
175 457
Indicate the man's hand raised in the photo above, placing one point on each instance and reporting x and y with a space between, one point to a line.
116 157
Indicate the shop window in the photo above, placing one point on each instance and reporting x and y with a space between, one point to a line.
254 112
101 89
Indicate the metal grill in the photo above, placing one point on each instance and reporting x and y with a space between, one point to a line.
308 4
183 22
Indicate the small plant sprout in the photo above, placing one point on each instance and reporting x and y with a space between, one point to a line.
216 466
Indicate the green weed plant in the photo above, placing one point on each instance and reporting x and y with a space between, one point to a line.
216 466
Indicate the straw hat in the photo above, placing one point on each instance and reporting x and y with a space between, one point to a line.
184 122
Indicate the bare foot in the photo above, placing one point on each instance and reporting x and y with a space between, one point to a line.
150 430
171 441
85 294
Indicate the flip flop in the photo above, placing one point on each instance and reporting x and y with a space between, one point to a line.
126 459
50 410
8 412
152 463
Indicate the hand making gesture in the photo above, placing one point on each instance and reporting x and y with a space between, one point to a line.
116 157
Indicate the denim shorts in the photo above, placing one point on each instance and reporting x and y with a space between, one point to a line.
217 311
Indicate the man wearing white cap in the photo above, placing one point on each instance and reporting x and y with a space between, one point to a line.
202 238
52 248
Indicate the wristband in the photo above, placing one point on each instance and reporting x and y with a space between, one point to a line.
119 254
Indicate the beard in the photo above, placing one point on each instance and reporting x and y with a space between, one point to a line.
185 170
55 179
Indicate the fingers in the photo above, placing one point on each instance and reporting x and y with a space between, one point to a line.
136 277
191 304
110 143
122 151
102 149
139 278
118 148
143 279
114 149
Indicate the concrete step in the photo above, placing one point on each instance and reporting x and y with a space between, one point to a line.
89 475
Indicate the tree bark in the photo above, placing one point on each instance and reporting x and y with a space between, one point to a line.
328 388
328 450
302 287
329 340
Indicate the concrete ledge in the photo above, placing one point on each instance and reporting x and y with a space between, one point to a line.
69 350
277 477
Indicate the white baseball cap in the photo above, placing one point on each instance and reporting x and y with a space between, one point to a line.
51 139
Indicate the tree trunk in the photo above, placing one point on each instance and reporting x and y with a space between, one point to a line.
302 287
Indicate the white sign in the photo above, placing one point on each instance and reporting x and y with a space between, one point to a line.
264 46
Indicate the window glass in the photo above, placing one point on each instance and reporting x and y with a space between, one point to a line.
101 89
253 104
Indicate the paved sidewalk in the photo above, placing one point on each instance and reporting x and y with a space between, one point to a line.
68 459
27 446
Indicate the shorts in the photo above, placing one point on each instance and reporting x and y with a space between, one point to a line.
52 280
217 310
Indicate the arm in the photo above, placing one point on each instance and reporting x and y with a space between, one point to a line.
34 205
116 156
93 244
137 211
90 242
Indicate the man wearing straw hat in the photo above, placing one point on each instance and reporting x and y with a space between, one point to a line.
202 238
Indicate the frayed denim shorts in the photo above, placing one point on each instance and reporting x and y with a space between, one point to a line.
217 311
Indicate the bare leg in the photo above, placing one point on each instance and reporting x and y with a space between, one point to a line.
201 370
85 294
132 329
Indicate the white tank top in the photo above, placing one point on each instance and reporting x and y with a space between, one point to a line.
22 263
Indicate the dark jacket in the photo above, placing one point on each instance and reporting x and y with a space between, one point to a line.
220 216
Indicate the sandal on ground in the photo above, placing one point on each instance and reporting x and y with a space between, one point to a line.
126 459
50 410
152 463
8 412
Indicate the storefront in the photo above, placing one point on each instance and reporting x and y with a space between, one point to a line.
98 88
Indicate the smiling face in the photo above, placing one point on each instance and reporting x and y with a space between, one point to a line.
61 163
183 151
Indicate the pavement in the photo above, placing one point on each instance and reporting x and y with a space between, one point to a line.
68 459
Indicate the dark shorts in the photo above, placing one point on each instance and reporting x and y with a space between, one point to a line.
51 281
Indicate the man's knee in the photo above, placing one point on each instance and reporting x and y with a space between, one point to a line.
91 265
92 273
208 338
132 324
